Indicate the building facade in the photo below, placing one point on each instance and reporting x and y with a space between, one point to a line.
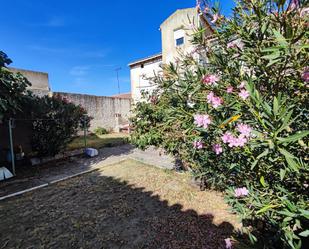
176 32
141 72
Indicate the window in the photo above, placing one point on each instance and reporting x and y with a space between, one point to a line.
142 66
179 37
180 41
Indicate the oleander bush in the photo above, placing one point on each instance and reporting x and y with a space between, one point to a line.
235 111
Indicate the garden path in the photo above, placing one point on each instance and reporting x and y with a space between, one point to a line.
56 171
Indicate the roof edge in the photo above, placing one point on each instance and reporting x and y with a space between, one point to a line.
149 58
174 13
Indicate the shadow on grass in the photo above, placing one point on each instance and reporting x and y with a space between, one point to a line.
96 211
31 176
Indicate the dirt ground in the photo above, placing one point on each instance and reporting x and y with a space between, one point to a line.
126 205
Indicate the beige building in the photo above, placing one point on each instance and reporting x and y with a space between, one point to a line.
176 33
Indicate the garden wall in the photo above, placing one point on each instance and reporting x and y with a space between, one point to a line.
108 112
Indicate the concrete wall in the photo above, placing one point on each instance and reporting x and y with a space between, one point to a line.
39 80
140 74
107 112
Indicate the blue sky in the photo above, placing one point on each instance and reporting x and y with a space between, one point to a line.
81 43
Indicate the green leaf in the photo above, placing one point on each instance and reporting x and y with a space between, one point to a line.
290 160
293 138
265 153
285 123
272 56
266 208
287 213
304 233
280 38
282 174
275 106
264 27
262 181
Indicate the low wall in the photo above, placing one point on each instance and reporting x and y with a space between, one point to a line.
108 112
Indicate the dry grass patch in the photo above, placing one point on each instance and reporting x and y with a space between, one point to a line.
99 141
127 205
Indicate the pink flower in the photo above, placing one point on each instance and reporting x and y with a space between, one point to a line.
202 120
229 89
244 94
215 18
214 100
227 137
198 144
305 76
240 192
242 84
210 96
233 141
294 4
217 149
244 129
210 79
241 141
304 12
228 243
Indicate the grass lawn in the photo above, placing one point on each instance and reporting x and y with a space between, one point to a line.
127 205
97 142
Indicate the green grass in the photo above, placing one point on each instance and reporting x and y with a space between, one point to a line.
99 141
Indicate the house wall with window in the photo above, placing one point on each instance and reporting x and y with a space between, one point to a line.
176 31
141 73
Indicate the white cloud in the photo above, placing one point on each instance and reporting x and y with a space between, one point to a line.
52 22
79 70
72 51
55 22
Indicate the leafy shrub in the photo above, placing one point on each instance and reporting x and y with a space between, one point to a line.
239 120
100 131
56 122
12 88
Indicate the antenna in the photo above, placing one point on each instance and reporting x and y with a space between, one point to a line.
117 71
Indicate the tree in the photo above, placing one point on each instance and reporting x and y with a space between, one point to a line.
55 123
12 88
240 122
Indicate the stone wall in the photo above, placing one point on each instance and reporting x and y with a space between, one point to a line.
108 112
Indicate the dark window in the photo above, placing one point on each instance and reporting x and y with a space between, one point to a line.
180 41
142 66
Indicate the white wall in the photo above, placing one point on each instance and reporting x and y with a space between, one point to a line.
139 75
